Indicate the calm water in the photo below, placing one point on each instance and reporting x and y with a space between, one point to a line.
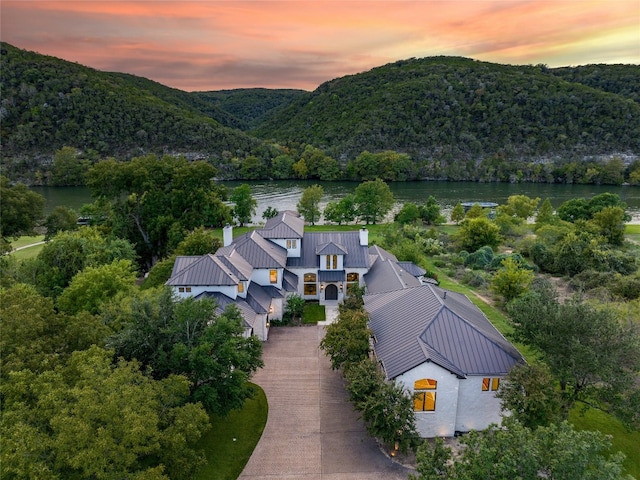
284 195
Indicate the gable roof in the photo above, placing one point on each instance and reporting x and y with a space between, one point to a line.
331 248
386 275
356 255
205 270
426 323
287 224
259 252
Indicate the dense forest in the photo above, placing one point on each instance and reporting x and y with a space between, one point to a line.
432 118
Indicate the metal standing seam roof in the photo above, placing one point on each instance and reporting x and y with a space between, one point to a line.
287 224
419 324
259 297
412 268
332 275
289 281
386 275
357 255
222 301
331 248
205 270
260 252
236 263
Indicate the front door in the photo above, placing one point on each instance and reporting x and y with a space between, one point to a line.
331 292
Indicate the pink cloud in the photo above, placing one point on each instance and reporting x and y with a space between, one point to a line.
206 45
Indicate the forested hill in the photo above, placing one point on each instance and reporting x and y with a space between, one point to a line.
452 107
250 106
48 103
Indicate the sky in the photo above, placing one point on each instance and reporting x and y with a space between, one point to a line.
214 45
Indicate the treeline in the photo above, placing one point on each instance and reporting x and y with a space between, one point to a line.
450 108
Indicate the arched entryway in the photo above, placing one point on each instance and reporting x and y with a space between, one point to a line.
331 292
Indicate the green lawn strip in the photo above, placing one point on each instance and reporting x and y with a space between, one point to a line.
24 241
313 313
622 440
27 253
632 229
227 458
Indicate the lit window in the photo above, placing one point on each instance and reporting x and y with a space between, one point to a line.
292 244
424 395
273 276
353 280
335 262
240 287
328 262
490 384
310 286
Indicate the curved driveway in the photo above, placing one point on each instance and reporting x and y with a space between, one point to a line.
312 431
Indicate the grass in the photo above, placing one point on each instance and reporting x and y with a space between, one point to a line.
621 439
30 252
24 241
229 443
313 313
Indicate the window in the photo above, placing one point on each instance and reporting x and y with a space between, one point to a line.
181 289
424 395
310 287
292 244
273 276
240 287
188 289
490 384
353 280
328 262
184 289
335 262
332 262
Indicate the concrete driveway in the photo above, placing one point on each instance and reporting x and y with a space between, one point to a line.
312 431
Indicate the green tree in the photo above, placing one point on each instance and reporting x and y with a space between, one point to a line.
91 287
69 167
342 211
294 308
593 354
282 167
70 252
373 200
610 224
62 219
554 451
20 210
430 212
245 204
347 339
309 204
156 201
187 337
457 214
35 337
529 395
545 213
520 206
95 419
198 242
409 213
476 211
511 280
269 212
478 232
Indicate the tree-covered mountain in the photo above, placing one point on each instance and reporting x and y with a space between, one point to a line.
48 103
452 107
621 79
249 106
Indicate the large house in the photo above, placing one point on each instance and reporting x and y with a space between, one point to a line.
434 342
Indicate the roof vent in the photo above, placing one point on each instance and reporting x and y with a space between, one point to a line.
444 295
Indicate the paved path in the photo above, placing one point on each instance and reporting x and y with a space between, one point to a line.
312 431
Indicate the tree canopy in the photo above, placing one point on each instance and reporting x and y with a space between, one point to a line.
309 204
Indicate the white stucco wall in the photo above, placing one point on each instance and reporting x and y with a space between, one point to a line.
476 409
322 260
442 421
291 252
262 277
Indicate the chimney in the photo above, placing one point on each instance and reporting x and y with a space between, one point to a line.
364 237
227 235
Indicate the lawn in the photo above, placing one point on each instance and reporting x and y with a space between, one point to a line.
313 313
30 252
232 439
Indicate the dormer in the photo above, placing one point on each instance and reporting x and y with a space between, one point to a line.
331 256
286 230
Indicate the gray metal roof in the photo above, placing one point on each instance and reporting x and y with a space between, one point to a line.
412 268
357 255
419 324
204 270
287 224
331 248
259 252
386 275
259 297
222 301
331 275
289 281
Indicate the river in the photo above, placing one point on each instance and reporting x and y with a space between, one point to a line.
284 194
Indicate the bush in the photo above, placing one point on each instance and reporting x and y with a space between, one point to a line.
479 259
474 279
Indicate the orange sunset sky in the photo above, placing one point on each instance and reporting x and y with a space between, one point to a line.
213 45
